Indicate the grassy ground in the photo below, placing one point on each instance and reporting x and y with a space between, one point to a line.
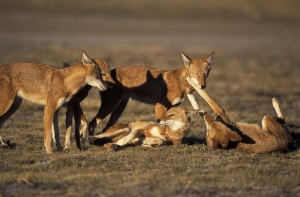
256 58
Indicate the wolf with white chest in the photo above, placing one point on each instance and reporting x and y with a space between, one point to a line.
46 85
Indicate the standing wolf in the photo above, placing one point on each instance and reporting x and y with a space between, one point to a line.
162 88
46 85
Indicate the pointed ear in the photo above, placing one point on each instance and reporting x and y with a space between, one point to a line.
86 60
209 58
233 136
186 59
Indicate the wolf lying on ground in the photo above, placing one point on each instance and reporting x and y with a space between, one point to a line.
162 88
223 133
170 130
46 85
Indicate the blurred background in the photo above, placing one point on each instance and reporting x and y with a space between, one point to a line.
256 44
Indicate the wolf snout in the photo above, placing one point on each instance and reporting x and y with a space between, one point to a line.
202 87
161 122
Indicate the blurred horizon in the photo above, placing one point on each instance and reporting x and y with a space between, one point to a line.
248 10
150 33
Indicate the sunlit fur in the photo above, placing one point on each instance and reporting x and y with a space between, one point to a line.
172 128
162 88
46 85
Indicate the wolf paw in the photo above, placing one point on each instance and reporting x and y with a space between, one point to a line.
114 147
6 144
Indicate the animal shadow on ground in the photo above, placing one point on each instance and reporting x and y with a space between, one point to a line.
296 136
192 140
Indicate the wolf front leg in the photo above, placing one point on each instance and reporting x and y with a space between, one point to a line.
193 101
152 142
48 125
51 128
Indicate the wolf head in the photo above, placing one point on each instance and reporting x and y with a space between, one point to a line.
198 69
177 118
106 72
93 72
218 133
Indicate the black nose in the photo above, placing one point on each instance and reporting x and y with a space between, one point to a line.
203 86
158 120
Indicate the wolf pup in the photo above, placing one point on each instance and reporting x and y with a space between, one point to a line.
162 88
170 130
46 85
222 133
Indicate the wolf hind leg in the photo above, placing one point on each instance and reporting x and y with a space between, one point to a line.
273 124
152 142
8 112
276 106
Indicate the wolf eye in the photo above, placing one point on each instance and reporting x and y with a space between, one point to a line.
171 115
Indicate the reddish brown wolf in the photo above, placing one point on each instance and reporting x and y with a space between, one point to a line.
223 133
162 88
45 85
171 129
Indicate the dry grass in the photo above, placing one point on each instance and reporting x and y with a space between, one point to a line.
254 62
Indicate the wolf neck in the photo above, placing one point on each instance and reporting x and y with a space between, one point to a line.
74 77
181 74
178 131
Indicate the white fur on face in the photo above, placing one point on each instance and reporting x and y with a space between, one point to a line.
96 83
175 124
162 122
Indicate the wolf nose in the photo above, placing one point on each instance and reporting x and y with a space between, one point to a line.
203 86
158 120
